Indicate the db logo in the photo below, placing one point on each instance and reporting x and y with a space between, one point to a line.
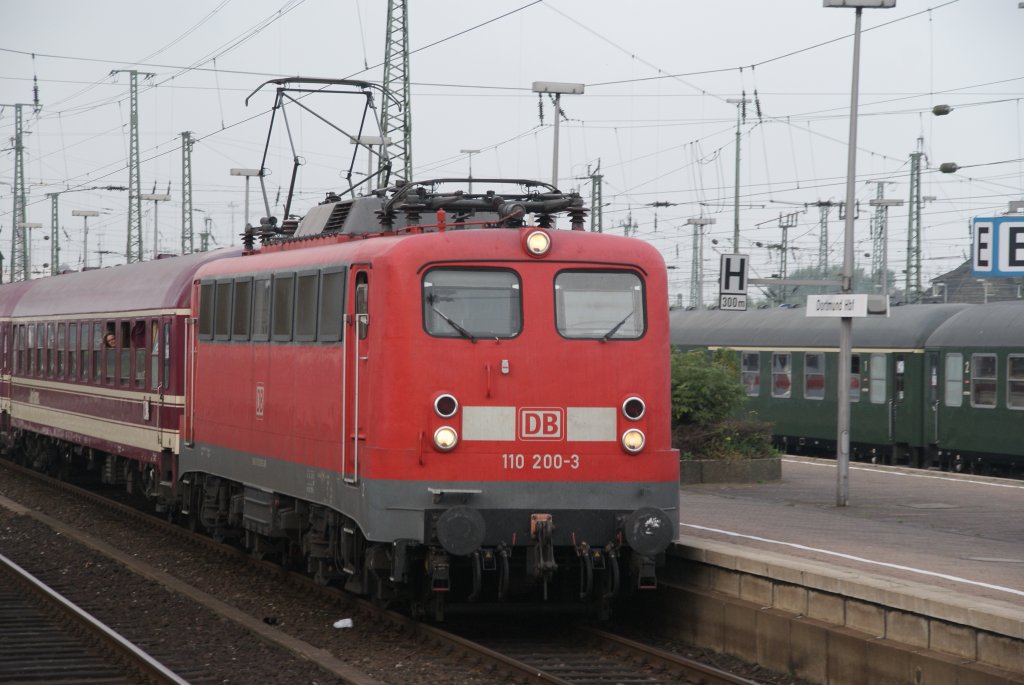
541 423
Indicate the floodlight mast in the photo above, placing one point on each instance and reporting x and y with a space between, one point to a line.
557 89
846 322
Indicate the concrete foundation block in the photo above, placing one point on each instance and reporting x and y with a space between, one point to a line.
790 598
710 616
739 629
952 639
725 581
826 607
867 618
808 642
1001 652
907 629
847 650
773 639
888 663
755 589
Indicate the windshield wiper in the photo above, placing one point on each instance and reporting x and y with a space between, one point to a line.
616 327
461 331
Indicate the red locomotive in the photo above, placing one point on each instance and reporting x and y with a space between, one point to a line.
471 407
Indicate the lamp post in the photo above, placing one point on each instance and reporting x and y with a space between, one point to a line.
27 227
739 102
885 205
249 173
470 154
846 322
85 214
157 198
558 89
355 140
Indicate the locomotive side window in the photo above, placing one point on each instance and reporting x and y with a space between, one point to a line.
814 375
241 309
605 305
879 377
1015 381
472 303
983 380
306 286
332 305
954 396
855 378
206 308
362 306
781 374
750 373
222 311
261 309
283 303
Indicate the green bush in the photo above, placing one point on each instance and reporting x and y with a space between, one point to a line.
705 387
706 395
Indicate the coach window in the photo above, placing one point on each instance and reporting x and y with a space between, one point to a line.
601 305
781 374
1015 381
855 378
983 380
901 377
97 350
167 356
306 287
332 305
206 309
83 353
51 350
154 354
750 373
73 351
61 338
282 306
139 350
40 349
222 311
954 394
814 375
241 309
109 345
877 370
471 303
261 309
19 348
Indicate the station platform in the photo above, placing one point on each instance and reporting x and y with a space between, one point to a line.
923 557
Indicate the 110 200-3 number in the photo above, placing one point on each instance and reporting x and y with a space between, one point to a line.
540 462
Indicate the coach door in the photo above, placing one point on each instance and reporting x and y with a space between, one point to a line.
356 377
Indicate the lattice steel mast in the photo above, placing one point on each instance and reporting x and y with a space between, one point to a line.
913 282
133 252
396 115
187 244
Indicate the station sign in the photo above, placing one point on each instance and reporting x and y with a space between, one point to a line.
998 248
837 306
732 282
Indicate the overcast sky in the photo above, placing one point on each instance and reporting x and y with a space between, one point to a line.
654 114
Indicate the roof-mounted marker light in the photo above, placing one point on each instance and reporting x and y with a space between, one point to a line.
538 243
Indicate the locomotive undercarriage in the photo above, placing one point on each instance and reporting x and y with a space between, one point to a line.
424 579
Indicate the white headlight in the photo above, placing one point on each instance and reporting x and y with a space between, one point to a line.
633 440
445 438
538 243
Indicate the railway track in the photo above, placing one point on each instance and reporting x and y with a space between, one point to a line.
47 639
585 656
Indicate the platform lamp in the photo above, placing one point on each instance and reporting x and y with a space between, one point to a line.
470 154
27 227
156 199
85 214
248 173
558 89
846 322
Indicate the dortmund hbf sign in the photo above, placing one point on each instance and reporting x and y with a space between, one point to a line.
998 248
